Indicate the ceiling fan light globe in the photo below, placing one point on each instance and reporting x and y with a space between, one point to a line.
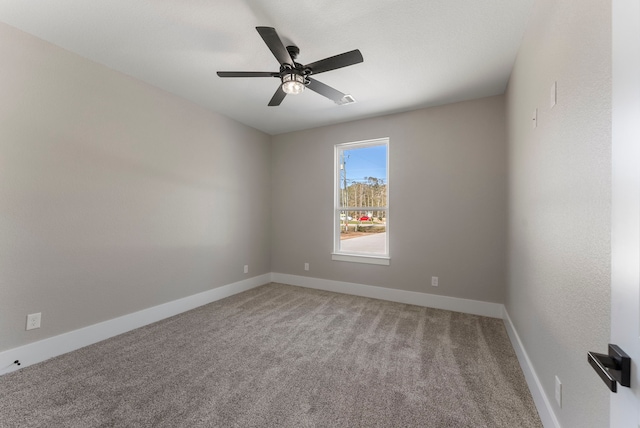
293 84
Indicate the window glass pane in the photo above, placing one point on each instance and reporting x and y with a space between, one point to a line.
363 233
363 176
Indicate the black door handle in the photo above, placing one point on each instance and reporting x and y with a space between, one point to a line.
613 368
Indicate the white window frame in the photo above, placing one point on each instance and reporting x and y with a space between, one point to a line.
369 258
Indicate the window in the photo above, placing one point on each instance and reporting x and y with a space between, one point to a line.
361 208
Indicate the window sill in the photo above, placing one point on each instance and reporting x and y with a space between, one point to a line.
359 258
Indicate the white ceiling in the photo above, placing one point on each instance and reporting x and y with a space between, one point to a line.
417 53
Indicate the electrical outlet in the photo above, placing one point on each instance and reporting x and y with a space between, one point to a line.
559 392
246 268
33 321
434 281
306 266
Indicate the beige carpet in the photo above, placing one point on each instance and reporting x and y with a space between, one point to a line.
283 356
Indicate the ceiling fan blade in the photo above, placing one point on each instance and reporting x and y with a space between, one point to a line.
326 91
247 74
274 43
277 97
337 61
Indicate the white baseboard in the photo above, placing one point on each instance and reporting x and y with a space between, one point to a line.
57 345
545 410
475 307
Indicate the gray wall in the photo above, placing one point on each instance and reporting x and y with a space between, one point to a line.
116 196
447 178
559 201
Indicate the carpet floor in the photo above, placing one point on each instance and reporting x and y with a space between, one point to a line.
283 356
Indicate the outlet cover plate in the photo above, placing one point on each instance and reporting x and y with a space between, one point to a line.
33 321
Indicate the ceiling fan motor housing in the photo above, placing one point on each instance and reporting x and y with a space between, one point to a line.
294 51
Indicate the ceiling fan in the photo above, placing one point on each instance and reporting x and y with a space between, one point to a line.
295 77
